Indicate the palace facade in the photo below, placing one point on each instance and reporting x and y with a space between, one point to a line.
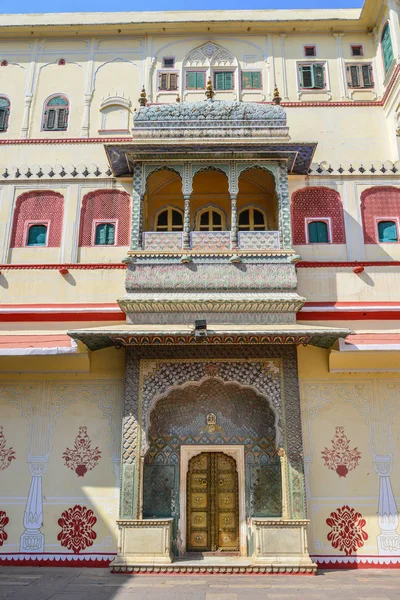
200 290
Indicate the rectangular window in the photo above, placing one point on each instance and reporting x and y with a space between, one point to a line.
357 51
3 119
223 80
195 80
168 81
251 80
168 62
310 50
312 76
360 76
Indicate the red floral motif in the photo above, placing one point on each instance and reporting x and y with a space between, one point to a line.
341 459
77 528
82 458
3 522
6 454
346 530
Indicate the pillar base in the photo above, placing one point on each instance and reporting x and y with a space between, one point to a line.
143 542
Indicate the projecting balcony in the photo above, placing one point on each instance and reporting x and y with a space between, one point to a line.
210 241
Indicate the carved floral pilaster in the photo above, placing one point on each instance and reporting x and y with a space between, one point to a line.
388 516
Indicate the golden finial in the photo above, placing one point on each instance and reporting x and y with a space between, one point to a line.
277 99
178 98
209 90
143 98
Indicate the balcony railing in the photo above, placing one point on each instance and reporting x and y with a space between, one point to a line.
210 241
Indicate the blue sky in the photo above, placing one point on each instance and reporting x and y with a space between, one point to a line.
43 6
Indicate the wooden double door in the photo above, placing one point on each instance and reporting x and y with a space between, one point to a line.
212 504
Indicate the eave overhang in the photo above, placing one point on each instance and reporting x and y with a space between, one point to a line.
157 335
299 155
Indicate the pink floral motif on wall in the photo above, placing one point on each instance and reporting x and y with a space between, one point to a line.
82 458
6 454
347 533
77 528
340 457
3 522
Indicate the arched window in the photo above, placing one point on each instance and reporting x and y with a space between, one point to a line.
387 232
37 235
169 219
252 219
210 219
55 116
317 204
318 232
4 113
105 234
387 48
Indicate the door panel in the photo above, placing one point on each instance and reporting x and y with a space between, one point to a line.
213 509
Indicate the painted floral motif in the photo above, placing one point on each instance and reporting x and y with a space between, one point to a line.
340 458
77 528
347 533
3 522
6 454
82 458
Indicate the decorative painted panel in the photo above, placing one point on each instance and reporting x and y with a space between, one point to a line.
167 241
210 241
259 240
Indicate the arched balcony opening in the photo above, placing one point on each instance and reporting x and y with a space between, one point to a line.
163 210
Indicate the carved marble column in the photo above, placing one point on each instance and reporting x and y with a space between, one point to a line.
25 119
388 516
137 207
32 540
285 226
129 499
234 221
86 115
186 221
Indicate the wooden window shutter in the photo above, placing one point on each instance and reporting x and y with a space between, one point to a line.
256 80
110 230
318 232
246 81
100 235
200 80
191 80
51 118
354 76
3 119
219 81
163 84
62 118
319 76
387 48
367 76
173 81
306 76
387 232
228 80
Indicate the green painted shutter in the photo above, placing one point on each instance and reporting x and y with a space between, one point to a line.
367 76
246 81
318 232
110 231
387 48
306 76
256 80
228 80
219 81
354 76
100 235
3 119
319 76
191 80
200 80
37 235
51 118
387 232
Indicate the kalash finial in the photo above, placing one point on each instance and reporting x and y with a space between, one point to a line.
143 98
277 99
209 90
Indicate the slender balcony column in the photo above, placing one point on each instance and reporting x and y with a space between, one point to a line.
137 207
234 221
25 119
186 221
86 115
285 227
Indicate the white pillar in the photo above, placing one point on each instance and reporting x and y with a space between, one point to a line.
340 62
25 119
284 75
86 115
32 540
388 516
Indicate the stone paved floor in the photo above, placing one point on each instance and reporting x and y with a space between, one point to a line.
47 583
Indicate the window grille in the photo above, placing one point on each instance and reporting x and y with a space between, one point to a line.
357 51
